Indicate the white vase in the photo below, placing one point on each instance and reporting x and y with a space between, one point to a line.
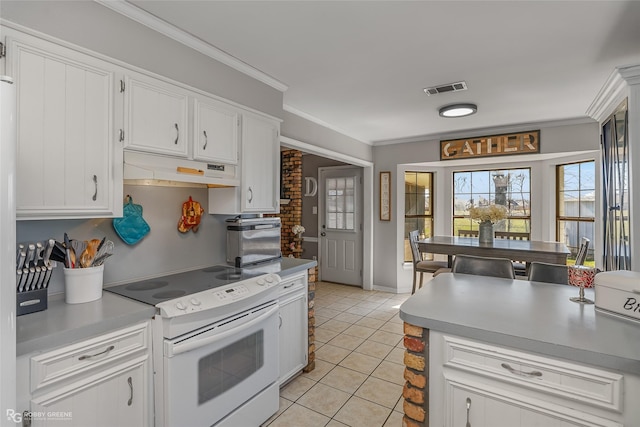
485 232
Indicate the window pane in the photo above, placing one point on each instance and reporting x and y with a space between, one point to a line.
575 211
507 187
417 207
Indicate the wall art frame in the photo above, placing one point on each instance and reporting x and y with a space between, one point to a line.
385 196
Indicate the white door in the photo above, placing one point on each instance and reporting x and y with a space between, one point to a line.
340 244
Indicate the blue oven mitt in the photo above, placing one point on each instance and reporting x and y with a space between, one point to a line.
131 227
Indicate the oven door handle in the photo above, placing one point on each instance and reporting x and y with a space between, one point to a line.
194 343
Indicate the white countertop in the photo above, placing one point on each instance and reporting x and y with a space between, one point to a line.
530 316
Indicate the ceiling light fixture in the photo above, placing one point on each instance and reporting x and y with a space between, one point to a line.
458 110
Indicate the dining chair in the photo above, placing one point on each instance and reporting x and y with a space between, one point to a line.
419 265
467 233
549 273
483 266
519 267
581 256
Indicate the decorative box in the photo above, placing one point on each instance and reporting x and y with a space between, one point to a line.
618 292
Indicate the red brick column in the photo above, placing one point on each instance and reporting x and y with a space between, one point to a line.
311 360
416 375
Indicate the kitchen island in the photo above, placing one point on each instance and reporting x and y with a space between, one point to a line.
517 353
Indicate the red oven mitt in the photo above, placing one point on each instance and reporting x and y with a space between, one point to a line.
191 213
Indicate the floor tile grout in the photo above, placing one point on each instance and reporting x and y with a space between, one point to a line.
348 303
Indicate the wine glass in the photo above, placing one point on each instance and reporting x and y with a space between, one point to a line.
582 276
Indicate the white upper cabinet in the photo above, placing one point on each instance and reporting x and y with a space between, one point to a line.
69 163
215 136
259 190
260 163
155 116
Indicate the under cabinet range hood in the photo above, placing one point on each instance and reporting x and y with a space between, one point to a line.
152 169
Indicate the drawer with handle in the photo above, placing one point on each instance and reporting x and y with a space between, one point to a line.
80 358
551 377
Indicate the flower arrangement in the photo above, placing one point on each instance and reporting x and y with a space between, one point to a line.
491 213
297 229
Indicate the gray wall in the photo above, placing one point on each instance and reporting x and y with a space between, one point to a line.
389 271
95 27
295 127
164 250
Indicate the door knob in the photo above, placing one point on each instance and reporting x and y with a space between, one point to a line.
323 234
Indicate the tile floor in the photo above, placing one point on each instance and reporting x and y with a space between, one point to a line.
358 376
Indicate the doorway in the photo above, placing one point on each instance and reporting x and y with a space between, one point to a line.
340 224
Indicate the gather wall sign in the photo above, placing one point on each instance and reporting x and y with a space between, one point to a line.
489 146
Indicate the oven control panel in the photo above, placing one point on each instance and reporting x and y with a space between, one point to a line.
219 297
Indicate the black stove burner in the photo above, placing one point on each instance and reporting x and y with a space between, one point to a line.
165 295
146 286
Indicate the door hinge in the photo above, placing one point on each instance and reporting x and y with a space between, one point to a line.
122 86
3 50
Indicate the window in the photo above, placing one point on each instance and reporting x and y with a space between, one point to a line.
508 187
575 206
341 207
418 207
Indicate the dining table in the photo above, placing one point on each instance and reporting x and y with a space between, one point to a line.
516 250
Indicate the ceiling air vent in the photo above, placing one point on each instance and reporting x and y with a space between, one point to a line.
451 87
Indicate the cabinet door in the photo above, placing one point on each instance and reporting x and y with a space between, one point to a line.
156 117
66 148
293 335
116 397
485 406
260 163
215 137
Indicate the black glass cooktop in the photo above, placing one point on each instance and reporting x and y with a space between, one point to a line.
159 289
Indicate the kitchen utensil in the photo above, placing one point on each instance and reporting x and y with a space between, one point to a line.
105 252
47 252
47 276
31 253
89 253
18 279
18 252
36 278
59 253
23 279
68 249
78 246
21 259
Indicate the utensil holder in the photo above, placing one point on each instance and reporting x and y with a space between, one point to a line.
83 284
31 301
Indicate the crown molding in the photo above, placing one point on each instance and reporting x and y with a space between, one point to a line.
468 133
322 123
163 27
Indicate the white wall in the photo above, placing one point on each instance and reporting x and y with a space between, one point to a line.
558 145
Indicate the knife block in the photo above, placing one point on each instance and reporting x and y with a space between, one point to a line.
31 301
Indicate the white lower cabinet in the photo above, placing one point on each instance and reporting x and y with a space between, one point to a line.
477 384
101 381
294 333
114 397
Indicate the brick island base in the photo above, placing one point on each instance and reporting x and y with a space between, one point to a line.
416 375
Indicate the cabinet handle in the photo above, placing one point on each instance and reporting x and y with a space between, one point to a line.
95 182
250 195
280 325
121 135
521 373
130 381
204 147
468 410
289 285
177 133
89 356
